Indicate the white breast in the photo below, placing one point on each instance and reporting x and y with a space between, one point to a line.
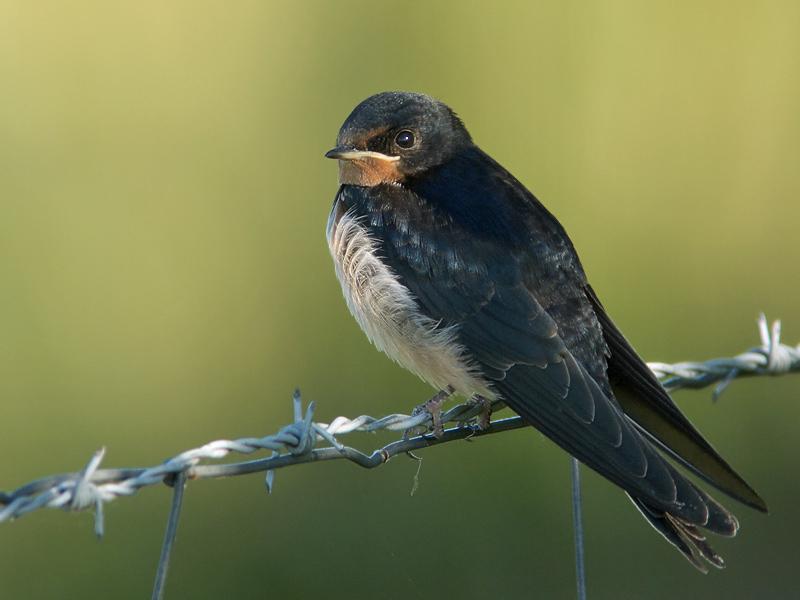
388 313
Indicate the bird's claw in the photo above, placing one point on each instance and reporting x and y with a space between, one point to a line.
434 408
485 415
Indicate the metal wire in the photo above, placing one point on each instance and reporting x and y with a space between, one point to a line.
577 529
169 536
296 443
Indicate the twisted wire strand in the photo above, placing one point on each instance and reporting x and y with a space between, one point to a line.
296 442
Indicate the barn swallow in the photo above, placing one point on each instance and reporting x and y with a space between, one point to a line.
457 272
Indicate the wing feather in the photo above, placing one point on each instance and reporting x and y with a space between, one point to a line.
510 285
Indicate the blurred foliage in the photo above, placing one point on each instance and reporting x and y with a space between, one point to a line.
164 280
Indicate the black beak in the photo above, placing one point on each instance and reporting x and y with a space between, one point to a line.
338 152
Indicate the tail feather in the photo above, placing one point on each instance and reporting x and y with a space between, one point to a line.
706 513
647 403
686 531
686 537
678 509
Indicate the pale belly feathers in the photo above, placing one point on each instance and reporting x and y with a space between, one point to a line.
387 312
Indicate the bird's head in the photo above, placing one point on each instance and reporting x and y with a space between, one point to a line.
395 135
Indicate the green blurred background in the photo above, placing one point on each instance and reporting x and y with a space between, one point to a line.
164 281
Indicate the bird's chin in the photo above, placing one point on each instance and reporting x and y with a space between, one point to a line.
369 172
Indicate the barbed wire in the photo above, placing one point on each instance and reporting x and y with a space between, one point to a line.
296 443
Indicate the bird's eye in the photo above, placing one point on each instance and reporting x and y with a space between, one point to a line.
404 139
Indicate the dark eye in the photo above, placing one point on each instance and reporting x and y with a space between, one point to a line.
404 139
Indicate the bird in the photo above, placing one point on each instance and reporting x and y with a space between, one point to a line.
461 275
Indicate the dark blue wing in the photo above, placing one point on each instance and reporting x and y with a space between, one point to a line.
479 252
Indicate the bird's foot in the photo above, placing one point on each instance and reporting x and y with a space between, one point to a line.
434 408
485 415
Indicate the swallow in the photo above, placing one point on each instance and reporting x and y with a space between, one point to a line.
459 273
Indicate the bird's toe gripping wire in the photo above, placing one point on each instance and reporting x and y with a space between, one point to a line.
432 407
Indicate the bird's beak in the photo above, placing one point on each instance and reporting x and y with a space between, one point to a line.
347 153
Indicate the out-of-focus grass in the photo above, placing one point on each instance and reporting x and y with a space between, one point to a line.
164 280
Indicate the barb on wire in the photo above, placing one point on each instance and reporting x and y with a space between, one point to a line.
770 358
296 443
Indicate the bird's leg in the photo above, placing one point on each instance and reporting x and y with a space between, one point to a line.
434 408
485 414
